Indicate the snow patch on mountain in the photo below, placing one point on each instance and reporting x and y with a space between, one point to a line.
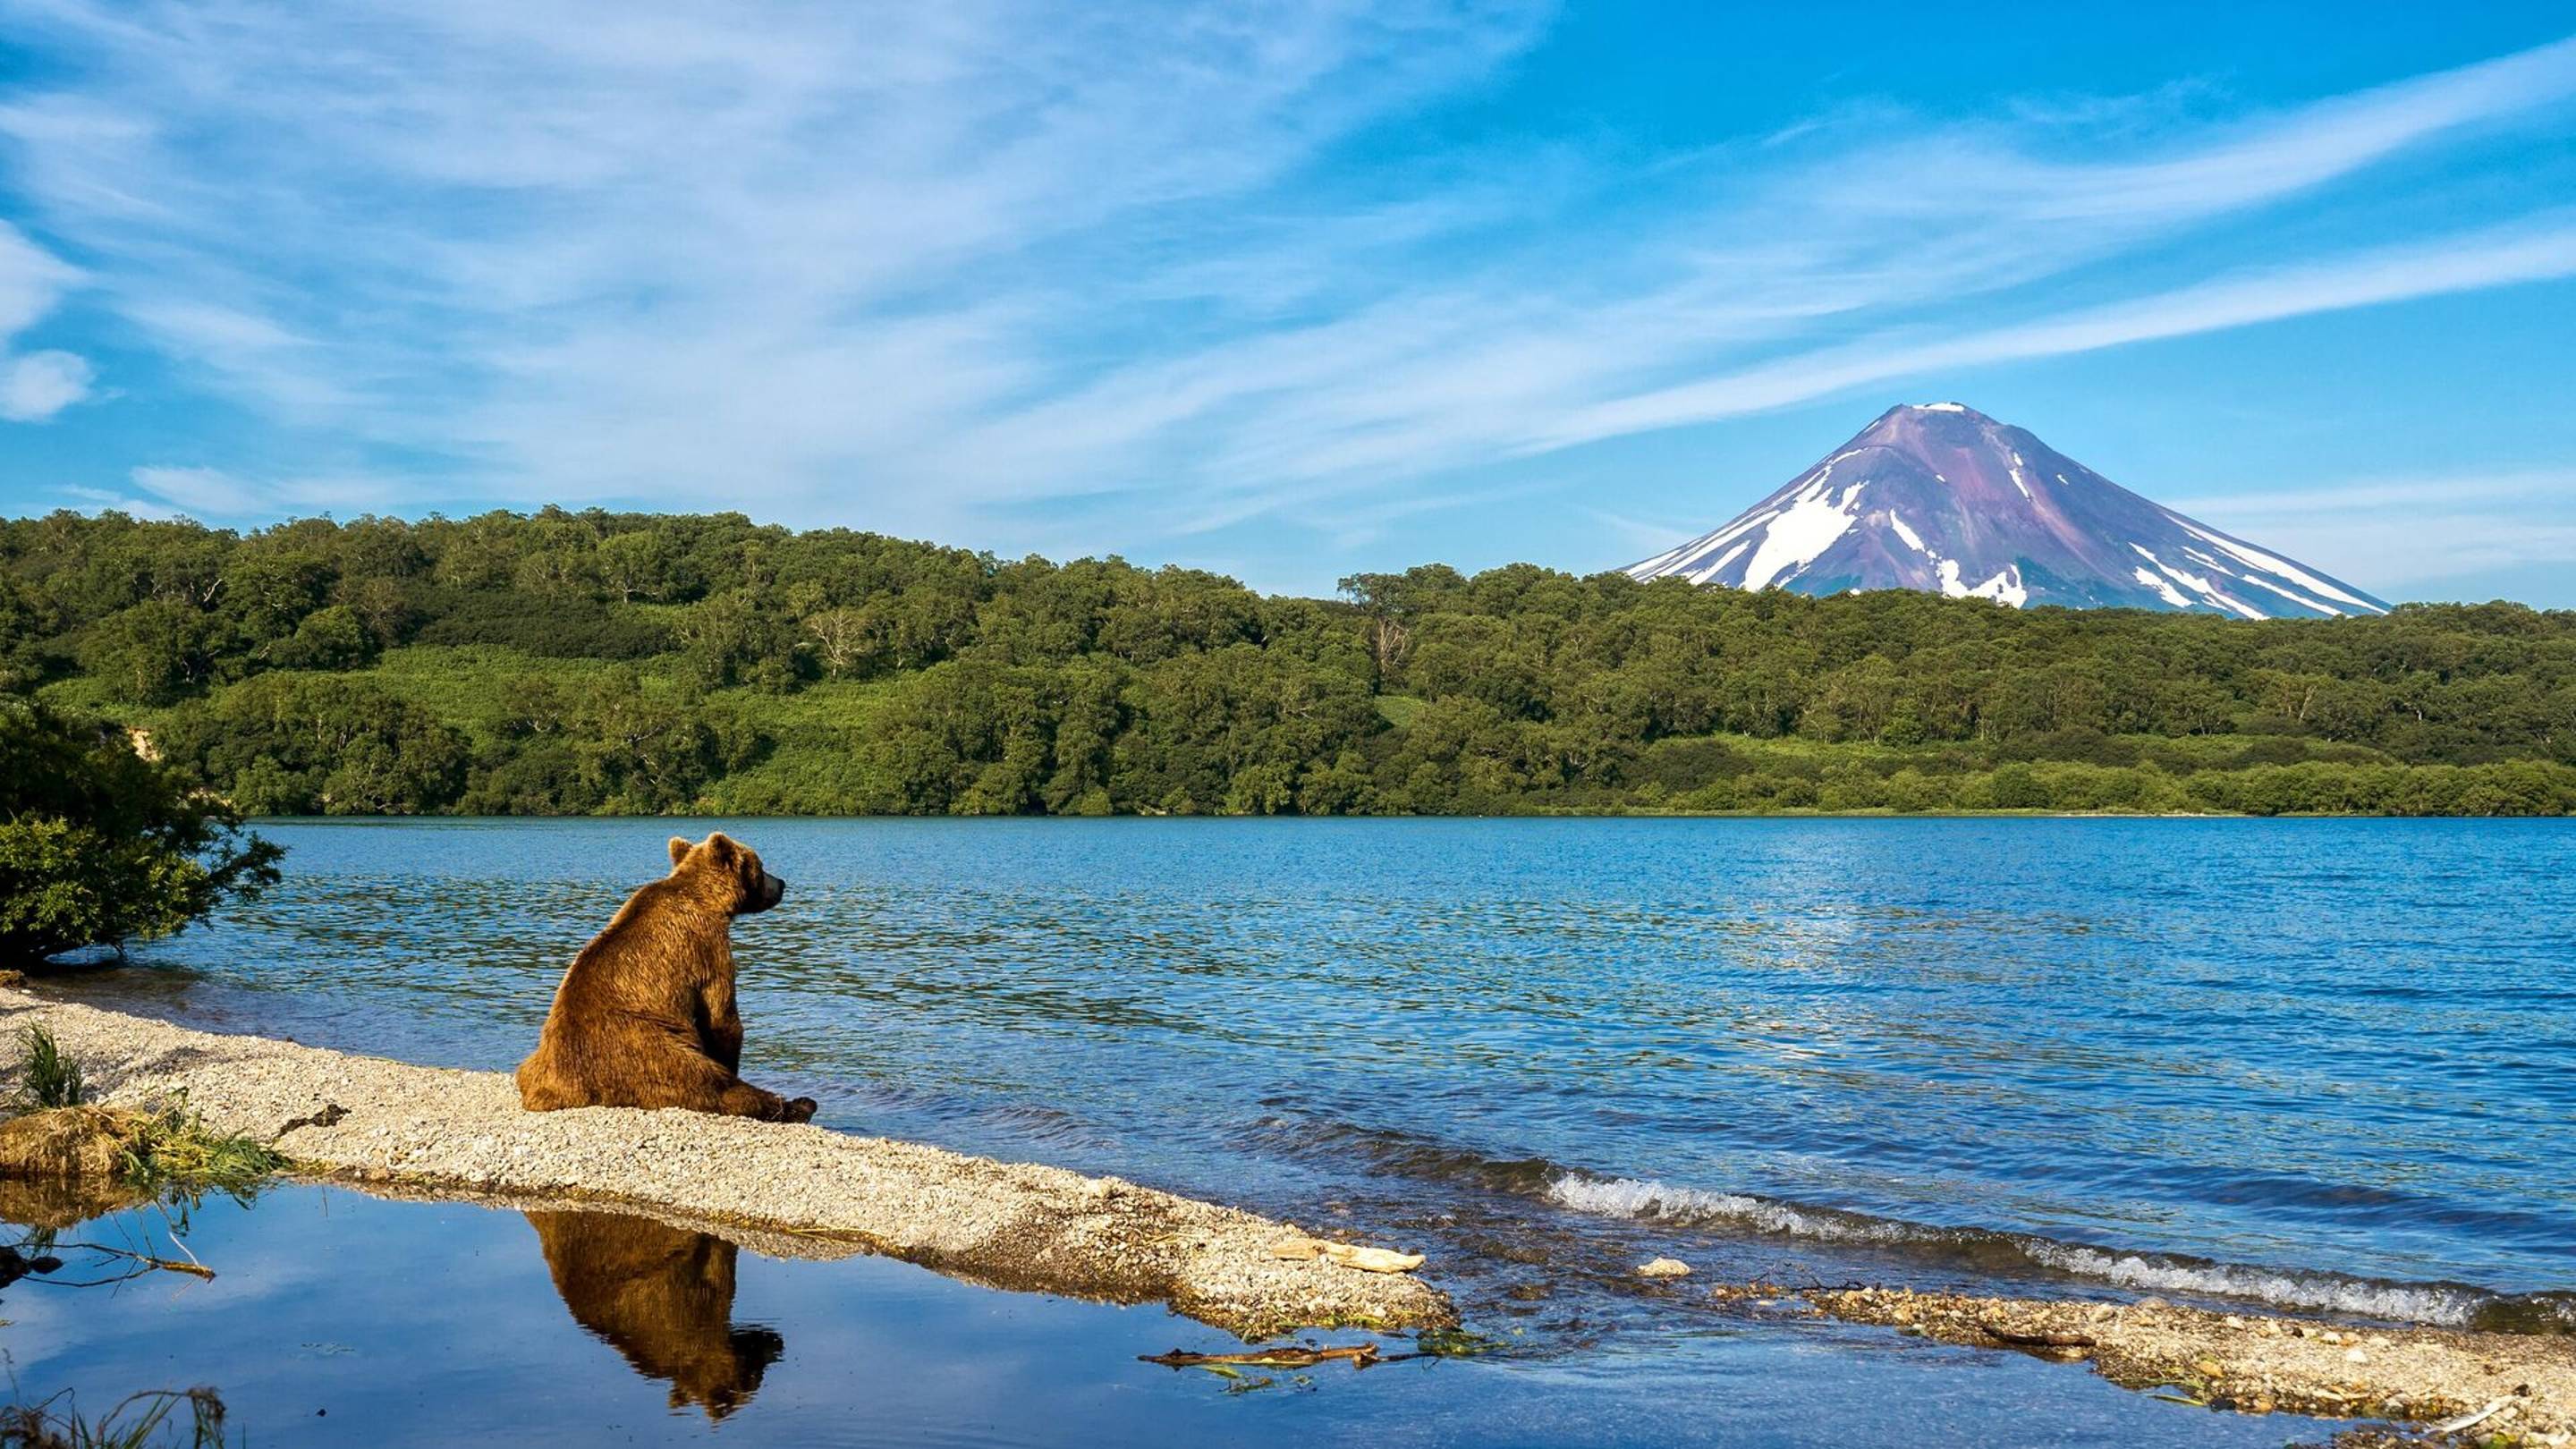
2003 588
1795 535
2164 591
1940 497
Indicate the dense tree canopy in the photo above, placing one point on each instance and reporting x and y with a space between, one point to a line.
581 662
100 844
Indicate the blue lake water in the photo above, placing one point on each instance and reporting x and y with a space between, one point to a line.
336 1318
2317 1064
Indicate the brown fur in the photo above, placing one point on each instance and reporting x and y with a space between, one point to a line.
646 1016
662 1296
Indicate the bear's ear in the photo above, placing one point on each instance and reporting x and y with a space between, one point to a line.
721 848
679 849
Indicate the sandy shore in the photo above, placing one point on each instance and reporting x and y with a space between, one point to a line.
1011 1225
2516 1387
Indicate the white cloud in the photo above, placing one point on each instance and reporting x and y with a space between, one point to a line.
1639 537
34 385
2260 160
2449 264
923 266
202 492
31 278
2557 485
125 503
37 385
213 495
2395 533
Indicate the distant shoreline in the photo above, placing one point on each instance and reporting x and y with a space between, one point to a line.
562 663
1559 814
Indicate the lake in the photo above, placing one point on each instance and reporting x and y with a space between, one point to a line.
2313 1064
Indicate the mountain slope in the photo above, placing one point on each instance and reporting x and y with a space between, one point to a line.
1942 498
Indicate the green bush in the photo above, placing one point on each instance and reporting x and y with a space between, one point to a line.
550 628
99 846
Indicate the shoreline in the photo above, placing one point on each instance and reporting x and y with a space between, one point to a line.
430 1130
409 1132
1620 813
2445 1385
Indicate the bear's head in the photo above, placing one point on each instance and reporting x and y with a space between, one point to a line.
734 870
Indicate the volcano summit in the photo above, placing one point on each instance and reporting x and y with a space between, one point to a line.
1942 498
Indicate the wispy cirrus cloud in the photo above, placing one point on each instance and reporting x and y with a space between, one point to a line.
202 493
34 385
2455 263
2404 531
928 267
2344 495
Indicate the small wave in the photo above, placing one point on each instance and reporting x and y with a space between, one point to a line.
1649 1201
2453 1305
1391 1151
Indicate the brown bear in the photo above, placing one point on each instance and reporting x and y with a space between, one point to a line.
646 1017
662 1296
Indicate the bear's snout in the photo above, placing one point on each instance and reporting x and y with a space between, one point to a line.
771 891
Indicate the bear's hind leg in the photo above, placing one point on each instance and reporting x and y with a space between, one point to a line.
741 1099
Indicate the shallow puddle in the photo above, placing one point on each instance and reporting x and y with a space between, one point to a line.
335 1316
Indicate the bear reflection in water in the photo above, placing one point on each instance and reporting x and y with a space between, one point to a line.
662 1296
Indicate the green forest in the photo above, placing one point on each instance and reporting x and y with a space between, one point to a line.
593 662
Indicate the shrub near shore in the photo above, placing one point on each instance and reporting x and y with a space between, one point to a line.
572 663
100 845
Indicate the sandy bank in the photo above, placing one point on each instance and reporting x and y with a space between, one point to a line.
1012 1225
2521 1387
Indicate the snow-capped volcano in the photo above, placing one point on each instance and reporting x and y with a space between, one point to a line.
1942 498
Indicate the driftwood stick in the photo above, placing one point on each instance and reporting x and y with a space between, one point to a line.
2465 1421
143 1263
2035 1340
1361 1355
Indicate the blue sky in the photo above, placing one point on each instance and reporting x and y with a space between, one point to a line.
1293 289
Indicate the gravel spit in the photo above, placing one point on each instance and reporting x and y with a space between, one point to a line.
1012 1225
2517 1389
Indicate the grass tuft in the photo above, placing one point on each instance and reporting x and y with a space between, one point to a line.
141 1420
46 1077
173 1150
177 1150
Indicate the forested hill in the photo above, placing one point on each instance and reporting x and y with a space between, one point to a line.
596 662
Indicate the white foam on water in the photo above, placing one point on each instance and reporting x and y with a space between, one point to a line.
1650 1201
2413 1303
1646 1200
